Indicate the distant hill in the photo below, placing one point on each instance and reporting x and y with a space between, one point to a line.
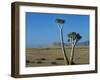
85 43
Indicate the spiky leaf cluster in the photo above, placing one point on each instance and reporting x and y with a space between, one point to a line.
73 36
60 21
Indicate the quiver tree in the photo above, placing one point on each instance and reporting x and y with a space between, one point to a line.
60 23
73 37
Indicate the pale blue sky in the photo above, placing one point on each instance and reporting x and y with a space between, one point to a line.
41 28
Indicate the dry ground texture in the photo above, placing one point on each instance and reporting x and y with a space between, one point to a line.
52 56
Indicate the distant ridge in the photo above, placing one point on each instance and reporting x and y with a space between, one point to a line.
84 43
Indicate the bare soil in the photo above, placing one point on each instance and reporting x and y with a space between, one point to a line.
52 56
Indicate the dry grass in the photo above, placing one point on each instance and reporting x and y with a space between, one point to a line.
53 56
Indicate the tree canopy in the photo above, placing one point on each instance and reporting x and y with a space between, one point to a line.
60 21
73 36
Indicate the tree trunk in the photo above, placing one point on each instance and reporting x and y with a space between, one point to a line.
72 54
63 49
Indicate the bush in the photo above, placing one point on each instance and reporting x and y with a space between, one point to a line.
33 62
54 63
43 59
27 61
59 58
39 62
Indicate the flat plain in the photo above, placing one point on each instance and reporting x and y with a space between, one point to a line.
52 56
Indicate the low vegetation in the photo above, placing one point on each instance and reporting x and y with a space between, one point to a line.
53 56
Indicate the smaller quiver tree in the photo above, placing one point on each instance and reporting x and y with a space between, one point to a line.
73 38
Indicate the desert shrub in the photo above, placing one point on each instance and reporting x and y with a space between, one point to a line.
54 63
27 61
43 59
59 58
39 62
33 62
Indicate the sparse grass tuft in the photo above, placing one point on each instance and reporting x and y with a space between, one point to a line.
54 63
33 62
59 58
43 59
27 61
39 62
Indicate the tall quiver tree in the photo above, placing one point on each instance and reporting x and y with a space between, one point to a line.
73 37
60 23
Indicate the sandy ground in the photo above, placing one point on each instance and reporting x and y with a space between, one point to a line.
53 56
